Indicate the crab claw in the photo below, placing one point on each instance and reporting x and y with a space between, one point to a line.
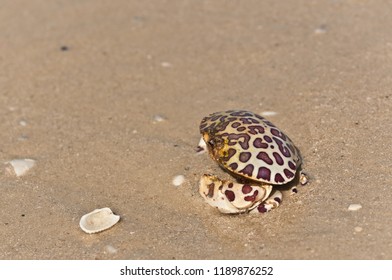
230 197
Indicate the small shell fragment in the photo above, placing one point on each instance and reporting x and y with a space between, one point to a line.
201 147
158 119
358 229
268 113
98 220
354 207
19 167
178 180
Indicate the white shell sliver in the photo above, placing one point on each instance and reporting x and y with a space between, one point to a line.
19 167
98 220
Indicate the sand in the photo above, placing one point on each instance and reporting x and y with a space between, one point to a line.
107 97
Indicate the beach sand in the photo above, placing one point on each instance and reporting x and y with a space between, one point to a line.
107 97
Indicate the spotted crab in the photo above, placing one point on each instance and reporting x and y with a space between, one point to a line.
253 150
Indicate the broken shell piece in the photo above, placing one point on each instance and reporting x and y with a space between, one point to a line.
202 147
354 207
268 113
19 167
98 220
303 179
158 119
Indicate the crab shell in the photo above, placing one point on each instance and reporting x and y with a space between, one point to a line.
250 146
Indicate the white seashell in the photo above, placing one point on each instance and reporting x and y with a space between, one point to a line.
98 220
354 207
178 180
268 113
20 167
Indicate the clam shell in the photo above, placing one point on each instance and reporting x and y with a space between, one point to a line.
98 220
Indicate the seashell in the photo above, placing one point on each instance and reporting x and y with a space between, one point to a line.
354 207
178 180
19 167
98 220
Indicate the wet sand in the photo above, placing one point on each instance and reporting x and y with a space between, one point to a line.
107 98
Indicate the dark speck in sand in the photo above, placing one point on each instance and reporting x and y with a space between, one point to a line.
64 48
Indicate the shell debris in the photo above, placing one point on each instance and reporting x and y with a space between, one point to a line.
201 147
178 180
354 207
98 220
158 119
268 113
19 167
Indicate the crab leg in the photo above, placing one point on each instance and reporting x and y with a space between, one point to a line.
231 197
270 203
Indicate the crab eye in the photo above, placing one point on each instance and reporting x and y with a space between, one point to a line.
211 142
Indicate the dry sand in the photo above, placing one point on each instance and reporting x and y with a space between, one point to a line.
82 84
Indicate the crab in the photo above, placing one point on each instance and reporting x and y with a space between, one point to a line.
253 150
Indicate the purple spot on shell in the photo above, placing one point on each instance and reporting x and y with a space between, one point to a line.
288 173
282 148
265 157
251 197
277 199
244 144
214 118
292 165
245 120
230 185
246 189
292 149
230 152
203 125
272 147
277 133
278 158
256 129
278 178
261 208
230 195
244 156
267 138
235 125
233 166
242 128
258 143
248 170
264 173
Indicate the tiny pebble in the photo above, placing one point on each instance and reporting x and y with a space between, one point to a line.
358 229
158 118
321 29
110 249
178 180
269 113
22 123
354 207
166 64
